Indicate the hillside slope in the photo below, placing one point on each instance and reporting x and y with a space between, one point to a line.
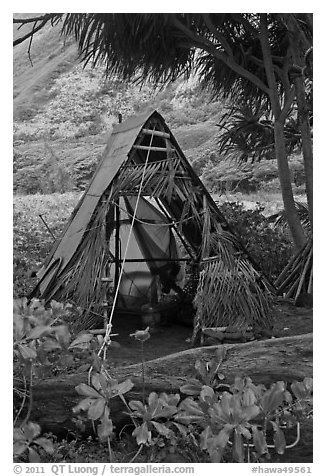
34 73
63 114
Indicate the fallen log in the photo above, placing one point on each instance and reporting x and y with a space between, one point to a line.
265 361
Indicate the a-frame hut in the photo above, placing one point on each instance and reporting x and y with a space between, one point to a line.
143 216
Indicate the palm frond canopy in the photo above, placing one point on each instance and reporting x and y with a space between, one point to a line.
224 49
132 45
161 47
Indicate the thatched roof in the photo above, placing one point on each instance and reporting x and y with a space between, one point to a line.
142 158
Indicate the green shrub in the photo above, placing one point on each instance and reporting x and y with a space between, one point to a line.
270 247
37 334
31 240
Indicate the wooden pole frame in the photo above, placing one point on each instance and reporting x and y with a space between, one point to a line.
117 260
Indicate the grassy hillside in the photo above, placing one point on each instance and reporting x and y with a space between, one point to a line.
68 122
34 74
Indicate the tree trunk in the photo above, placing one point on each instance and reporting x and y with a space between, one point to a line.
291 213
265 361
303 116
300 43
307 156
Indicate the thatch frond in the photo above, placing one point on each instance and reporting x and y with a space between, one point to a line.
230 290
158 180
231 295
81 279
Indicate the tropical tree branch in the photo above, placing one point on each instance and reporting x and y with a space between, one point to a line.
260 62
285 75
217 34
246 24
206 45
292 21
269 69
243 72
44 19
47 17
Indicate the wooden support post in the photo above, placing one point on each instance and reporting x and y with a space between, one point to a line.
151 132
183 241
104 296
149 260
117 247
150 148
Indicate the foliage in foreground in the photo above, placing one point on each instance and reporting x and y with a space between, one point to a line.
38 334
240 424
42 347
220 423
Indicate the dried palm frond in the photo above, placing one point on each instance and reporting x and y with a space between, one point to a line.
230 291
158 178
206 243
224 246
81 279
216 240
231 296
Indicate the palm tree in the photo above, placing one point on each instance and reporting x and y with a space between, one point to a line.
251 56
